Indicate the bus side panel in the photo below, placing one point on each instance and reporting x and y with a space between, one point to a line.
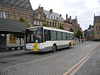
62 43
47 46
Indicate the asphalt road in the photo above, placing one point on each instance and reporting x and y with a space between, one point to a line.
92 66
29 63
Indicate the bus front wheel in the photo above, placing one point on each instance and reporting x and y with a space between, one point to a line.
54 48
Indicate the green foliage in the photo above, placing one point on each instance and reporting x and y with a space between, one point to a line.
78 34
29 25
61 27
71 30
22 20
45 25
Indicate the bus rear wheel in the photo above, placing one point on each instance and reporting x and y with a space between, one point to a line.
54 48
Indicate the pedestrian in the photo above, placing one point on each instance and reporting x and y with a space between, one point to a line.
82 40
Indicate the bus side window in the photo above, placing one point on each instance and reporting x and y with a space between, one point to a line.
59 36
53 35
67 36
47 35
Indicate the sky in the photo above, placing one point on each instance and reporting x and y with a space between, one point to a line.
83 9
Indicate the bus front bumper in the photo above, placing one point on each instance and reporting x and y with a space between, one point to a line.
40 50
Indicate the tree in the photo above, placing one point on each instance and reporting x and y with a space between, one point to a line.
45 24
71 30
22 20
61 27
78 34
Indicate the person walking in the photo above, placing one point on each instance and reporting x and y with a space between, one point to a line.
82 40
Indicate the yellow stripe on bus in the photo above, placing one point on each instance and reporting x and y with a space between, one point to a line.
71 43
35 47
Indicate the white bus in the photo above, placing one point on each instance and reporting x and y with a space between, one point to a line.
42 39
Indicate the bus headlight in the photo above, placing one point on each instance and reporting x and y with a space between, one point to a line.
41 47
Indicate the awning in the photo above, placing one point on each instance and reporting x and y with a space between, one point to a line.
11 26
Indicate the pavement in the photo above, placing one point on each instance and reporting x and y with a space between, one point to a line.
92 66
10 53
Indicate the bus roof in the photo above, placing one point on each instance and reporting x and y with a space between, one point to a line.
48 28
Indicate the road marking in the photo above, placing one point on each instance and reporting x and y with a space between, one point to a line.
77 66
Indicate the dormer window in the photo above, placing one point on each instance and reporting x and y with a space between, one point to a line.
50 17
57 18
54 17
7 3
12 4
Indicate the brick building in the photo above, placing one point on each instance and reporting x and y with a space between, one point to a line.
96 27
68 23
75 24
53 19
14 9
38 17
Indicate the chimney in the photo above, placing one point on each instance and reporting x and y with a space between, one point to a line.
76 17
60 15
51 10
42 8
70 17
66 17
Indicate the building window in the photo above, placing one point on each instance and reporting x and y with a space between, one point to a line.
18 16
50 17
2 14
13 15
57 18
54 17
29 18
47 22
99 28
50 23
37 22
96 28
34 22
41 23
6 14
39 16
24 16
55 24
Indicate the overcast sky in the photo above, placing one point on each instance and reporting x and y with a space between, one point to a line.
84 9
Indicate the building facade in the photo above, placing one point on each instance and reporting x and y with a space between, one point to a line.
38 17
14 9
53 19
90 32
96 27
75 24
68 24
85 34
